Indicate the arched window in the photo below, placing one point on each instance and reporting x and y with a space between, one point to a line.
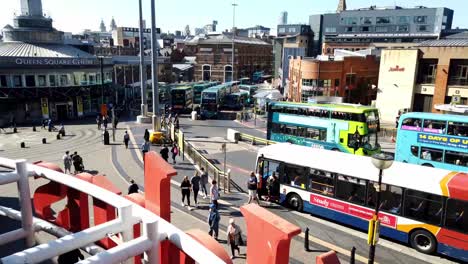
227 73
206 72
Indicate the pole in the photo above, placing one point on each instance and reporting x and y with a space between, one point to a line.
113 123
154 66
101 64
144 107
375 217
233 36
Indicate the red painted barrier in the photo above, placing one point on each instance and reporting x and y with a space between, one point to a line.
327 258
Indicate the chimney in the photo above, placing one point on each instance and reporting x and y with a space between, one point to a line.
341 6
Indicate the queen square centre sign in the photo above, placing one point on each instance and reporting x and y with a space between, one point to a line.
54 61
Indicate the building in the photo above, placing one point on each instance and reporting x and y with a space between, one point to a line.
258 31
433 73
41 77
379 26
130 37
283 18
214 57
352 77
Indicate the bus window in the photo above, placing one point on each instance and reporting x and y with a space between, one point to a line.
317 134
322 182
456 158
455 215
411 124
423 206
269 168
390 198
431 154
351 189
295 176
458 129
434 126
415 151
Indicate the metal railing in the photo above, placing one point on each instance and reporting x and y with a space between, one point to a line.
255 140
155 229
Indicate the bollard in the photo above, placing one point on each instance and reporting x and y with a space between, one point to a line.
44 141
34 128
253 141
23 145
306 240
15 130
58 136
353 253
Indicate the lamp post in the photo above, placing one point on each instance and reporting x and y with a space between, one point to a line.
382 162
233 36
154 66
144 107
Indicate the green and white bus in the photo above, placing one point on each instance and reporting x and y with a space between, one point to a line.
181 99
340 127
199 88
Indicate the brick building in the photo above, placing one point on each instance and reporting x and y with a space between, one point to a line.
354 78
214 57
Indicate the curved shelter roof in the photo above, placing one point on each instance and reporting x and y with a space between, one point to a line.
22 49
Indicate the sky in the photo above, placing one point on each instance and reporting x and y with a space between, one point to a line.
76 15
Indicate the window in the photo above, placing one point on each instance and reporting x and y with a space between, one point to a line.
402 28
390 197
282 30
41 79
431 154
309 82
384 20
271 168
17 80
455 215
403 19
411 124
3 81
456 158
420 19
415 151
422 206
458 129
422 28
350 29
63 79
365 29
206 72
366 20
316 134
292 30
295 176
349 20
52 80
434 126
330 30
350 78
381 29
351 189
30 80
322 182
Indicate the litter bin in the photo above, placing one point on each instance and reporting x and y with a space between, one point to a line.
106 137
194 115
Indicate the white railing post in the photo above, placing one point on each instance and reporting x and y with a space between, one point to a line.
151 230
25 202
125 214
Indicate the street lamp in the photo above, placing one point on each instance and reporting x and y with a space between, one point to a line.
233 36
143 106
154 67
382 162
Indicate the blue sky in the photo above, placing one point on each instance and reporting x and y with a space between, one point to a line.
76 15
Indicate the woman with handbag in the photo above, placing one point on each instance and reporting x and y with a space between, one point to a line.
234 238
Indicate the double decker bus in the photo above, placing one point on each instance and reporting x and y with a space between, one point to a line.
212 100
251 89
199 88
340 127
236 101
434 140
181 99
420 206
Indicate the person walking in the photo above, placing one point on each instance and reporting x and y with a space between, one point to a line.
146 136
165 153
145 147
234 237
214 193
133 188
175 152
252 186
67 161
195 181
77 162
213 221
126 139
44 124
98 122
185 187
104 122
204 182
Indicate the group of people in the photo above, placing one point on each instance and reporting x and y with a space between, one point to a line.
102 121
74 159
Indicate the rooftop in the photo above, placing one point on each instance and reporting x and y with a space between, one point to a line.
225 39
448 42
21 49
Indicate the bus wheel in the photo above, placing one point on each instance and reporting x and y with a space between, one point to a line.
295 202
427 165
335 149
423 241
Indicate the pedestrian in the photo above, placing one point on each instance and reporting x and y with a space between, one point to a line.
104 122
165 153
176 122
185 187
234 237
77 162
67 161
145 147
204 182
146 136
44 123
133 188
73 256
98 122
126 139
214 193
175 152
115 122
252 186
213 221
195 181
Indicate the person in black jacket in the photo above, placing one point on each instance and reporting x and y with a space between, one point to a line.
146 136
185 187
133 188
165 153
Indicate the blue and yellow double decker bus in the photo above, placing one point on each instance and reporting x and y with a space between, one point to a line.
340 127
433 140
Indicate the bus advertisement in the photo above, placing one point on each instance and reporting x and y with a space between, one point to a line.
181 99
419 206
433 140
339 127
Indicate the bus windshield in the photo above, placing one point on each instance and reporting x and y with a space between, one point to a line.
372 120
178 97
208 98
